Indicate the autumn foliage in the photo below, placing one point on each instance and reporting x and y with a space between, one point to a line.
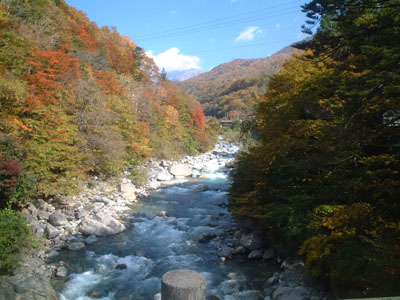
324 178
79 100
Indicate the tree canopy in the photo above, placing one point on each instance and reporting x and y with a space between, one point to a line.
325 175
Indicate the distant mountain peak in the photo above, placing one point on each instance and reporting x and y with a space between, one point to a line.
183 75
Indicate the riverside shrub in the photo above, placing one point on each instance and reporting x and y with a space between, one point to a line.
15 236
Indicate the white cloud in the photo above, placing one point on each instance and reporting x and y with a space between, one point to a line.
173 60
249 34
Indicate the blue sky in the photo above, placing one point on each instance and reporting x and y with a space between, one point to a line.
200 34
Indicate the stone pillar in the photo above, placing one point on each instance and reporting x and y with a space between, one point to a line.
183 285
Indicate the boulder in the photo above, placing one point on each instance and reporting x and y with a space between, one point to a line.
128 190
91 240
76 246
164 176
38 229
180 170
230 163
52 232
57 218
251 241
89 227
6 290
32 287
62 272
53 254
162 214
30 213
121 266
255 254
80 214
288 293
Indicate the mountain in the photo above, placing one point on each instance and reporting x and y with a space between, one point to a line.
232 88
183 75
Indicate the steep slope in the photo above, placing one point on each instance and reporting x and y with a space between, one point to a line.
231 88
77 99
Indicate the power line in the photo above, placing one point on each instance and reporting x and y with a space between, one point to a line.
217 24
246 46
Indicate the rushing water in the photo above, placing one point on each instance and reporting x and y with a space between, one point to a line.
130 265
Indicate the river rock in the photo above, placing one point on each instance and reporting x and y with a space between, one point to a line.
164 176
121 266
180 170
30 213
76 246
288 293
162 214
38 229
251 241
53 254
6 290
32 287
128 190
62 272
230 163
255 254
80 214
91 240
89 227
57 218
157 296
52 232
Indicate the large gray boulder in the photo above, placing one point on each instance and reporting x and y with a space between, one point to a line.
52 232
288 293
180 170
29 287
164 176
57 218
103 225
6 290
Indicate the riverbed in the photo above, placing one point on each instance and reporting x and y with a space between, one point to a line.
180 226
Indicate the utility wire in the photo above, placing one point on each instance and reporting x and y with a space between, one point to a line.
216 24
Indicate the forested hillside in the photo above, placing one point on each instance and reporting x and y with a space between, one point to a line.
325 175
77 99
231 89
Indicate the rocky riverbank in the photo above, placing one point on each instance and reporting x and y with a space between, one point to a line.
72 222
102 209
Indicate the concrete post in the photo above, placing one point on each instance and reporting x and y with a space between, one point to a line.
183 285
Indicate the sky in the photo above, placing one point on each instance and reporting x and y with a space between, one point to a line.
201 34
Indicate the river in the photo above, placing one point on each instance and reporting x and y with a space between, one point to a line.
130 265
